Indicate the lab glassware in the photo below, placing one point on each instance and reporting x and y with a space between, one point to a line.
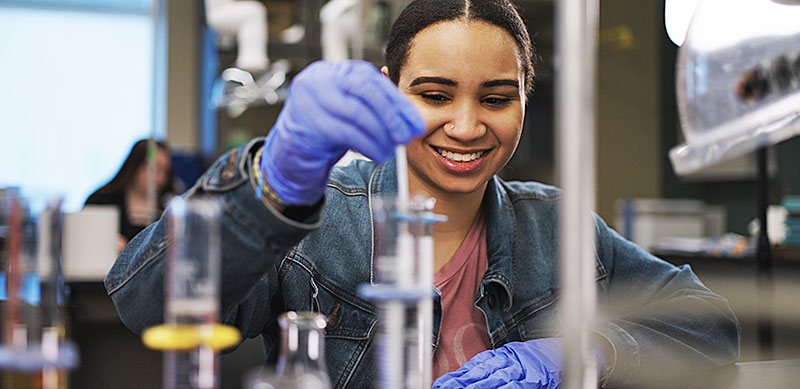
34 352
301 363
421 228
192 289
20 365
402 289
58 353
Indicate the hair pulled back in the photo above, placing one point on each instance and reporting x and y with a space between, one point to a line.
420 14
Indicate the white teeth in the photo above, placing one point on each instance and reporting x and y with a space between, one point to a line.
457 157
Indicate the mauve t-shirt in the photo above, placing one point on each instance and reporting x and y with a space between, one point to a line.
463 331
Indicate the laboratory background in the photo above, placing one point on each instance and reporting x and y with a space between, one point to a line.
88 87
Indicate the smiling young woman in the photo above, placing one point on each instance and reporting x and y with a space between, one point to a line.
454 89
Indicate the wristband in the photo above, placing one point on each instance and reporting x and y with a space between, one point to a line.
264 190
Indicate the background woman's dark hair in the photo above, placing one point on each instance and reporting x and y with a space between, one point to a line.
423 13
136 158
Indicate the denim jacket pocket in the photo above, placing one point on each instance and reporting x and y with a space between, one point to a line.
350 325
345 318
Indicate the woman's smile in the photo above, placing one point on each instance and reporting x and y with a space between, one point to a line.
460 161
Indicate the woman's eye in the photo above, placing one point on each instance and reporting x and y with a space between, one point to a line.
434 98
497 101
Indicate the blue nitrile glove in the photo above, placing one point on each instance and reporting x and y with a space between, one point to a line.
531 364
332 108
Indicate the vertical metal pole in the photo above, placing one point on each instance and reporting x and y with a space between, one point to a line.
764 260
576 24
158 13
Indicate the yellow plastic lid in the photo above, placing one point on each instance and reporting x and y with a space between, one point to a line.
175 337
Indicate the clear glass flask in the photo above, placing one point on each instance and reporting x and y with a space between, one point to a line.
301 363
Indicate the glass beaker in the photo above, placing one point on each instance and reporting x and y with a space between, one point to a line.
301 363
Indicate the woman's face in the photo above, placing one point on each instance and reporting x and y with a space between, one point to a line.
466 81
162 172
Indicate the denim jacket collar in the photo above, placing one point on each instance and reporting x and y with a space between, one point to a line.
501 231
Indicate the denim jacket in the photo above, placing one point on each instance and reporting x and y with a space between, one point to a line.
658 317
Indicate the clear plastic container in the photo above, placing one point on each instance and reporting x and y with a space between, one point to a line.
738 80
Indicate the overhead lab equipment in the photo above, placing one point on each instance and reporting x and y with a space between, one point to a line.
253 79
738 80
244 22
738 90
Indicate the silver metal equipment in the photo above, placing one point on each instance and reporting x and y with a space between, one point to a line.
737 80
158 15
738 90
576 48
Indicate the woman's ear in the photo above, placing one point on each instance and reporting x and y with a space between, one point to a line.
385 71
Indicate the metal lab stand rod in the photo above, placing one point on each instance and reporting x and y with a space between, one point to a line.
764 278
158 15
576 31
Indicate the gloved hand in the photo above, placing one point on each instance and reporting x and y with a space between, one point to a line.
531 364
332 108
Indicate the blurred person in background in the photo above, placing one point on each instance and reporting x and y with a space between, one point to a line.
128 189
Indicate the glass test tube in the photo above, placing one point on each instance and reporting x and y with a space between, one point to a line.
192 287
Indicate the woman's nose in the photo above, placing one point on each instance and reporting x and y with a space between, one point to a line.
465 124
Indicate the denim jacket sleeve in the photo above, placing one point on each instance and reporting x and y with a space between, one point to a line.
254 239
663 319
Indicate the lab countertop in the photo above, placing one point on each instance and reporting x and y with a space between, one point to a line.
101 336
743 375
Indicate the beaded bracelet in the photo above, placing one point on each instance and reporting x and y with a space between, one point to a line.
263 186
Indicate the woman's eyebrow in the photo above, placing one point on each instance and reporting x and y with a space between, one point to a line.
434 80
493 83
